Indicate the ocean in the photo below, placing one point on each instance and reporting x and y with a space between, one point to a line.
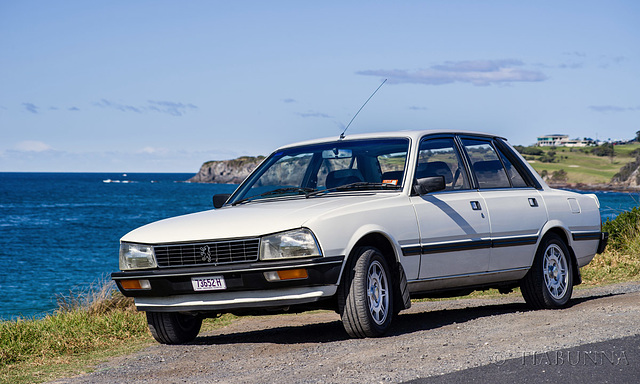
60 231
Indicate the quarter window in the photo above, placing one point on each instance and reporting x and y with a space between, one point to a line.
517 181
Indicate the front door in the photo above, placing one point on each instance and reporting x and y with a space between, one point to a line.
454 223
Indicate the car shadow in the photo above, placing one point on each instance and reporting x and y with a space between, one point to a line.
404 323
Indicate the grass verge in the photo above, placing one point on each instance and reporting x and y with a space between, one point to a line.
89 326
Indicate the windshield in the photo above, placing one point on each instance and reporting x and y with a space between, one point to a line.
375 164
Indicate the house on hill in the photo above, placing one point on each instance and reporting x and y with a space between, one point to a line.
559 140
551 140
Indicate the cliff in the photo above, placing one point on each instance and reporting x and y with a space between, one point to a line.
226 171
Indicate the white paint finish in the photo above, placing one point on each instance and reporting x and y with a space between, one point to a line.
449 217
512 216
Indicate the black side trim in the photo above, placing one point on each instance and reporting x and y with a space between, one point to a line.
514 242
469 245
411 251
453 247
587 236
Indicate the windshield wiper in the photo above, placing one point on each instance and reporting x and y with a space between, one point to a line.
279 191
361 185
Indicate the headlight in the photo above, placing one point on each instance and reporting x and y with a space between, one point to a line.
136 256
284 245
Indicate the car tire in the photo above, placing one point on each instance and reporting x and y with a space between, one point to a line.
173 328
366 294
549 282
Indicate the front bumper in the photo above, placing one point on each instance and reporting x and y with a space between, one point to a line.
169 284
229 301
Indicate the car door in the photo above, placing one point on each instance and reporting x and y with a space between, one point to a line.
516 210
454 226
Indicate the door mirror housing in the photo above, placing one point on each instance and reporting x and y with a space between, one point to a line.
428 185
219 199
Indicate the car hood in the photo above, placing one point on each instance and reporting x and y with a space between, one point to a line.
248 220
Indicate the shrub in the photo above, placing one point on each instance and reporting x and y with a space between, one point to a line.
605 149
533 151
559 176
623 229
549 157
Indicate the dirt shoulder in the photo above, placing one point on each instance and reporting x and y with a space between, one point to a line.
431 338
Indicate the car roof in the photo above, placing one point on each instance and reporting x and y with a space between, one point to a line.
415 135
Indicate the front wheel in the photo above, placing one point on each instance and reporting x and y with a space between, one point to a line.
549 282
366 295
173 328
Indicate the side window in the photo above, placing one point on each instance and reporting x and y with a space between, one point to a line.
439 157
516 178
486 164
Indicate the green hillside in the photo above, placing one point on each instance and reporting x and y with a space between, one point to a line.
580 165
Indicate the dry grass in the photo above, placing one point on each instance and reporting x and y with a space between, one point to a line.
620 262
90 322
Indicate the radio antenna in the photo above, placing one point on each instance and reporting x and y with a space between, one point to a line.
365 103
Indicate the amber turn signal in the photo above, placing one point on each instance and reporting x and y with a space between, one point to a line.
135 284
290 274
287 274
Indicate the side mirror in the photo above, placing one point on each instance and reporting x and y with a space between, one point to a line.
428 185
220 199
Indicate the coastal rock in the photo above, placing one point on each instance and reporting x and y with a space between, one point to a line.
226 171
629 175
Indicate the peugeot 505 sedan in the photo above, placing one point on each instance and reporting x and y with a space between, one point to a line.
361 225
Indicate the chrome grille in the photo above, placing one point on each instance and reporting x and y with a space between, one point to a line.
207 253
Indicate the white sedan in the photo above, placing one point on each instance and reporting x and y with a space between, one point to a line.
361 225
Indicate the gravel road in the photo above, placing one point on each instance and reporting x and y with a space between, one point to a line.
431 338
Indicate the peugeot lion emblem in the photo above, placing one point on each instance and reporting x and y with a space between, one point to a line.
205 252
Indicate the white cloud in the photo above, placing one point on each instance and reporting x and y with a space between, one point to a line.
162 106
170 107
31 107
314 114
612 108
476 72
153 151
32 146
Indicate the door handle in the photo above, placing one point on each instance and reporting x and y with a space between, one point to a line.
533 202
475 206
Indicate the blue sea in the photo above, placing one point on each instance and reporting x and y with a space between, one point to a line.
60 231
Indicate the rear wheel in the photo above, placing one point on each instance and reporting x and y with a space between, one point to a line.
549 282
172 327
366 295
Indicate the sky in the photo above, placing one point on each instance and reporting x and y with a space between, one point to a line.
163 86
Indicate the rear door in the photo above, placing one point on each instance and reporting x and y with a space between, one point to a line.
515 208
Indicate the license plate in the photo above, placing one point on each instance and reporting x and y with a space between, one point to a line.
214 283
